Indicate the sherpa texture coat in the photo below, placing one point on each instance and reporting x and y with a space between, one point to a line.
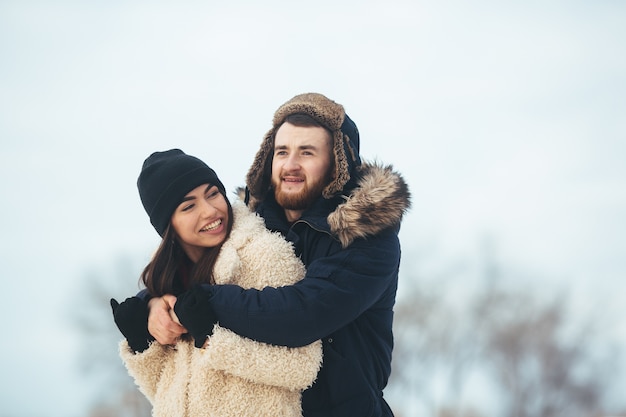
232 376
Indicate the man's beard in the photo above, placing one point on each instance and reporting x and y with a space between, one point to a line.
301 200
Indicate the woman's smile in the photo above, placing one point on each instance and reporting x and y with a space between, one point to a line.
212 226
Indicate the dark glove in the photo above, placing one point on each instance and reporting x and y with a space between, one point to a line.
131 318
194 311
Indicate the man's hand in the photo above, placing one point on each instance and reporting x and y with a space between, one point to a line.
195 311
163 324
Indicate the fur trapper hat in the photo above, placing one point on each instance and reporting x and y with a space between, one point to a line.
332 116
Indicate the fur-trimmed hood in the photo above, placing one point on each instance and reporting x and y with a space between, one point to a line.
378 202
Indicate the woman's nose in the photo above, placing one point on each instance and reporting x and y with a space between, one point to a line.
208 209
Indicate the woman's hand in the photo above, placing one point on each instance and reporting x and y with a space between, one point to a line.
131 317
163 324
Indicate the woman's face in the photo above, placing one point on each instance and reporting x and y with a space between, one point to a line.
200 220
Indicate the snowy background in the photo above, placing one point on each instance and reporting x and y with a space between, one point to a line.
506 118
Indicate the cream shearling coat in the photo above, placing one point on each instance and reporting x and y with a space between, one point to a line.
232 376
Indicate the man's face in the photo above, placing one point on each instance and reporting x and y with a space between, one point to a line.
301 166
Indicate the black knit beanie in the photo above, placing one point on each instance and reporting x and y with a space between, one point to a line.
165 178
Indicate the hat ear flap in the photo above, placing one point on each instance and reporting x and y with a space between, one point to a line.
259 175
340 175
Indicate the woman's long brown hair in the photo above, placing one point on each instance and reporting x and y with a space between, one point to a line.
162 274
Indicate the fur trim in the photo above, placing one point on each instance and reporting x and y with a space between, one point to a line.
378 202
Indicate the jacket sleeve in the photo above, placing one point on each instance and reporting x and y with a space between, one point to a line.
266 260
291 368
145 367
335 291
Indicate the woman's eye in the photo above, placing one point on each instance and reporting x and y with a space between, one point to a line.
187 207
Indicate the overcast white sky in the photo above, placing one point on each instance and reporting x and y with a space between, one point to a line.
506 118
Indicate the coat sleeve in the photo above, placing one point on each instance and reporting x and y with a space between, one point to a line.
145 367
291 368
264 259
335 291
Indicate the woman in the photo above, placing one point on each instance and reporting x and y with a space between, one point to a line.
206 240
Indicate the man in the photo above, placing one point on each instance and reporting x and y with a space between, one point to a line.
343 217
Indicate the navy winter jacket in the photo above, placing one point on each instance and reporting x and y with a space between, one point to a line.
346 299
